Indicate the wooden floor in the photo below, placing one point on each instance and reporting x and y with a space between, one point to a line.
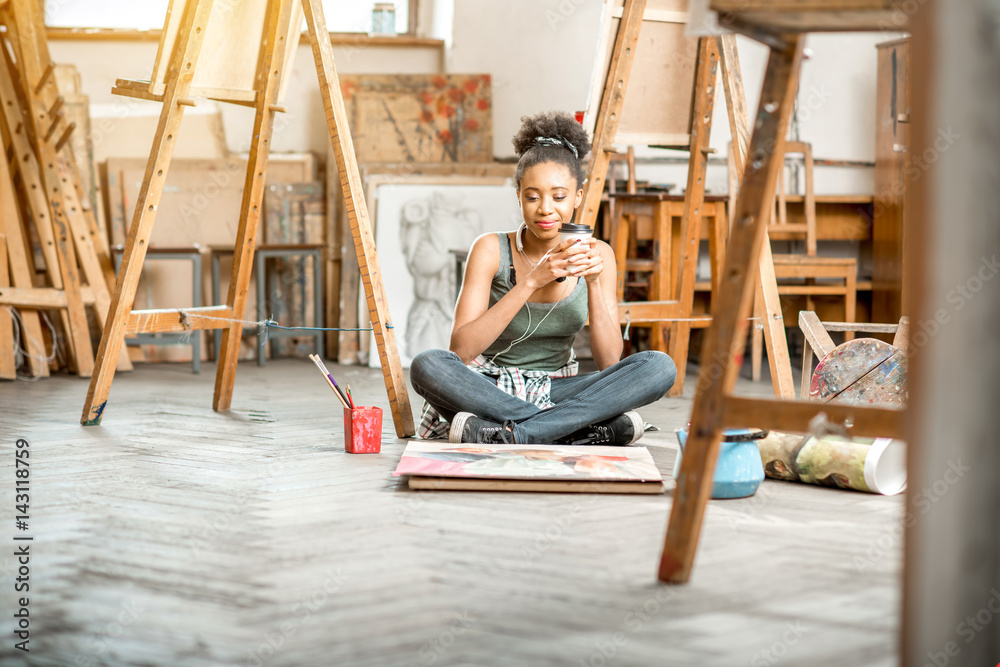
173 535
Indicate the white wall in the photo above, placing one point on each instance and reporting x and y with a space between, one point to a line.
541 55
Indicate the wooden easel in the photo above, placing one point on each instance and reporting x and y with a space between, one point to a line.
714 408
712 53
37 134
246 50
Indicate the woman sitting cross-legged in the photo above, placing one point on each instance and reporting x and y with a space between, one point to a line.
510 375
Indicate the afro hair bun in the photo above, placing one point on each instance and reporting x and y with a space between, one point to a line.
550 124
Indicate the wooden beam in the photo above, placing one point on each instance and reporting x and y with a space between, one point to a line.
902 337
648 311
135 89
694 484
706 74
795 416
41 298
180 74
271 67
610 109
817 341
768 303
20 270
178 319
8 365
357 216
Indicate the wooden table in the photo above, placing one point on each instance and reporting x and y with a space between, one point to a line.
838 218
651 216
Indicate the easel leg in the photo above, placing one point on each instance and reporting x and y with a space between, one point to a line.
706 72
90 260
775 339
757 336
8 367
253 196
612 102
179 76
768 306
20 271
694 485
79 331
357 215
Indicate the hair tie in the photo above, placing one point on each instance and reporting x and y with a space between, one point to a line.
558 140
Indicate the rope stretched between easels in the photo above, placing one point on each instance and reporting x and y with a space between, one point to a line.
260 325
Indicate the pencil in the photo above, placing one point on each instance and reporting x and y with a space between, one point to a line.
349 397
329 380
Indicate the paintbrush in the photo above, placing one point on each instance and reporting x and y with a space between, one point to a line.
329 379
340 392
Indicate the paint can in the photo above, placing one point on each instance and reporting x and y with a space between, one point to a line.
363 430
739 469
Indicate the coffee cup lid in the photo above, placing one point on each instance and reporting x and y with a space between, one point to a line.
571 228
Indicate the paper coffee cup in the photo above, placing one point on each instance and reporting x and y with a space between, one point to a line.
569 230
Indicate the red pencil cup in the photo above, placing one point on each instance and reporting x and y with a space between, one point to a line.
363 430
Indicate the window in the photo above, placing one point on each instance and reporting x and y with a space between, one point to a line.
355 16
128 14
341 15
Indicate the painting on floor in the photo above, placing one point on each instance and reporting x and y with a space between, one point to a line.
534 462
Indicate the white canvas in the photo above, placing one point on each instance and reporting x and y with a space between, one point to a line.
415 228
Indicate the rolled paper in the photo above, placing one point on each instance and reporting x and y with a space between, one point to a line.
871 465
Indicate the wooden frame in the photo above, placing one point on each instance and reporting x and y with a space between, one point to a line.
154 34
36 129
278 29
714 408
647 121
712 53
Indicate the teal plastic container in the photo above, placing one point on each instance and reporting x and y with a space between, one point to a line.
738 470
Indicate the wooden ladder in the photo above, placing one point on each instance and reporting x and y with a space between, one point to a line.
178 78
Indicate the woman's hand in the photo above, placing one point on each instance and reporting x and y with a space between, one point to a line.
585 260
557 263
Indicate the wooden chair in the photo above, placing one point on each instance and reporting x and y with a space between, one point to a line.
797 274
628 157
818 341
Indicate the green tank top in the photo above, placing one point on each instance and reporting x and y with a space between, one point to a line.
549 346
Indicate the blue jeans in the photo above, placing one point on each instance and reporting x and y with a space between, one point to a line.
589 398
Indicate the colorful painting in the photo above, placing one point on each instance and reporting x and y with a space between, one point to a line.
860 464
537 462
420 118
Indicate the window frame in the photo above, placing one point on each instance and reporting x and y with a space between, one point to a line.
408 38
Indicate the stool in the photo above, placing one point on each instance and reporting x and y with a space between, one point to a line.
193 255
262 253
